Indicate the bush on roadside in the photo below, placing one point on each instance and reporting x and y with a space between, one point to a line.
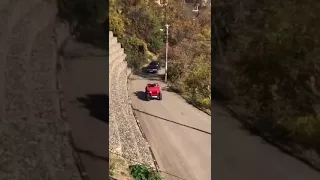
198 84
146 25
190 68
143 172
136 50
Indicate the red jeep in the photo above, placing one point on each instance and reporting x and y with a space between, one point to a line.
153 91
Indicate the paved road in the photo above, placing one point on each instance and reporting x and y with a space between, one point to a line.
179 135
186 152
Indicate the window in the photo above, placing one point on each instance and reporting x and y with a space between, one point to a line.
152 85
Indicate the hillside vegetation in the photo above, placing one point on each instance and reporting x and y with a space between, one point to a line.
138 23
271 69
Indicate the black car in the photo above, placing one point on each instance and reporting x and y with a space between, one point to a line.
155 63
152 68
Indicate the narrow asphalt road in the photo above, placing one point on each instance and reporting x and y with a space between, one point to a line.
179 134
180 137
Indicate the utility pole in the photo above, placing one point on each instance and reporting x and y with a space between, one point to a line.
167 48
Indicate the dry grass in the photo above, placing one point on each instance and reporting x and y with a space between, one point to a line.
151 56
119 168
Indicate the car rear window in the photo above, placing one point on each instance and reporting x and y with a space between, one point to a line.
153 66
152 85
154 63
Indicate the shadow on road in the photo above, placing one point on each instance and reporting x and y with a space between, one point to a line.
141 95
98 105
171 121
151 76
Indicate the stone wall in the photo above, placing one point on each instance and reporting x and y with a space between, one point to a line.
125 137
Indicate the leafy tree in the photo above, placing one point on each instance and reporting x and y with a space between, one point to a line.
190 55
117 20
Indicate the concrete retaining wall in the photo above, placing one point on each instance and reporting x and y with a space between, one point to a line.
125 137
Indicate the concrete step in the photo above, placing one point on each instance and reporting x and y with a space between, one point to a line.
120 50
114 56
121 67
114 64
116 70
113 69
112 41
110 34
114 48
113 79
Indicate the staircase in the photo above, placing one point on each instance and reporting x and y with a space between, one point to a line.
125 137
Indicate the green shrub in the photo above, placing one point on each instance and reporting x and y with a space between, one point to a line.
136 60
198 83
117 20
156 42
146 24
136 50
143 172
174 73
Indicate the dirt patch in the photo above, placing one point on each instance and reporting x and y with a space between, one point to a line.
119 168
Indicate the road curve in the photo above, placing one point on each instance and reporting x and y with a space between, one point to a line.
180 138
179 134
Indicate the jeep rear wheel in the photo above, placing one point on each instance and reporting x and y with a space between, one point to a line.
160 97
148 97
